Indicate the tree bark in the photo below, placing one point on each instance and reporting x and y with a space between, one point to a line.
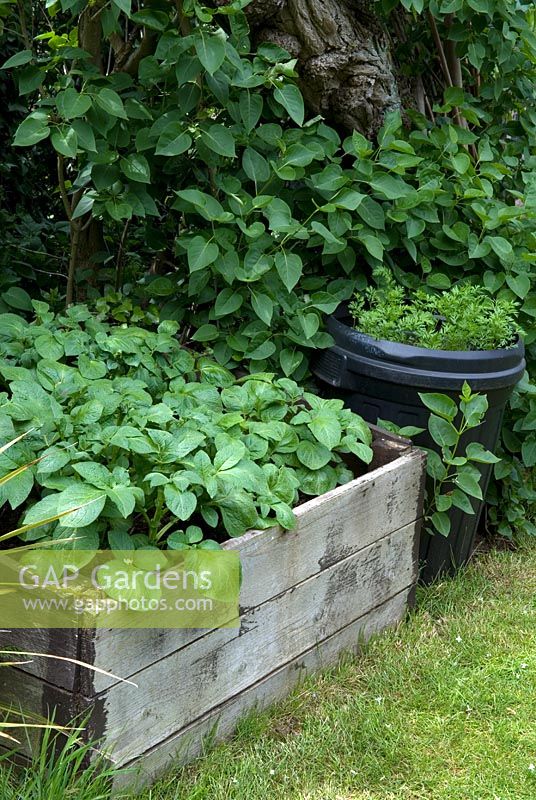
343 56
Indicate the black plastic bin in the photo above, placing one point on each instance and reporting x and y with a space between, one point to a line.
378 378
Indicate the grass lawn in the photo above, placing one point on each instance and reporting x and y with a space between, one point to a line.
443 708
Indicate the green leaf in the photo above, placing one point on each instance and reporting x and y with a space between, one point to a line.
519 284
87 413
94 473
263 306
210 51
434 466
91 368
173 141
461 501
440 404
136 168
476 452
207 206
123 498
309 323
201 253
441 522
285 516
48 347
442 432
17 298
255 166
161 287
86 137
361 145
264 350
326 428
373 245
443 502
65 141
206 333
290 360
501 246
181 504
20 58
111 103
33 129
289 268
238 512
219 139
391 188
30 78
52 460
393 120
124 6
71 104
229 456
461 162
17 488
348 198
372 213
227 302
474 409
438 280
91 499
468 483
313 455
291 99
250 107
151 18
120 540
118 209
528 453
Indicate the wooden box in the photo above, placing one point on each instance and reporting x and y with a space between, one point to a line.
347 571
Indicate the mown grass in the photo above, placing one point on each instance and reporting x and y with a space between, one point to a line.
444 708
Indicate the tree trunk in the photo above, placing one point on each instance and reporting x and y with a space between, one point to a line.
343 56
90 244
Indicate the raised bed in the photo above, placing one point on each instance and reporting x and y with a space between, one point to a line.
347 571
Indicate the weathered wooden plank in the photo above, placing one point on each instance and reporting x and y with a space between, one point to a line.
30 695
329 528
228 661
47 640
386 446
220 722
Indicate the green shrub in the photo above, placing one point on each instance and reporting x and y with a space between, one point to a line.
145 435
464 317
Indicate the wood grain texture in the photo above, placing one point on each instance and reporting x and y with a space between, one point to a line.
46 640
178 689
330 528
343 53
220 722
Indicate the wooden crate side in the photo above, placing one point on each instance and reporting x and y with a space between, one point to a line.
220 722
273 561
58 641
174 692
330 528
31 696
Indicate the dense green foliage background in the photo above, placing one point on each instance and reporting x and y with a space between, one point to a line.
155 157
